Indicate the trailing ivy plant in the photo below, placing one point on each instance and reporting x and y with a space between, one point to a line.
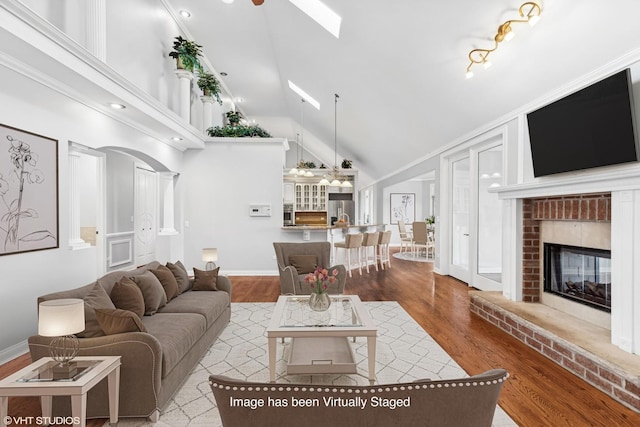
210 85
186 53
238 131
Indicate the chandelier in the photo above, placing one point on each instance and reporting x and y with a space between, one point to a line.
335 178
302 168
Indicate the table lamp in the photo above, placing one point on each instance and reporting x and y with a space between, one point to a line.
210 256
62 318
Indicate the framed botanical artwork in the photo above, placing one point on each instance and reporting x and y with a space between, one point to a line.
403 207
28 191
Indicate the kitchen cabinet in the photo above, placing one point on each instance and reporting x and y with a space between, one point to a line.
288 193
310 197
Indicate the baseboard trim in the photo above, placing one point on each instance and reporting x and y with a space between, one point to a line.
10 353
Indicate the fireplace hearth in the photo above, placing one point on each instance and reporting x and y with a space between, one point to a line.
580 274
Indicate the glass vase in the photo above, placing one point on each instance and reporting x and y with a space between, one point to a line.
319 302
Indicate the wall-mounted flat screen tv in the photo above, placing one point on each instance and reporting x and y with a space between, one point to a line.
590 128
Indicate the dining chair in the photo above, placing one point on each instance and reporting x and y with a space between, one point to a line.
406 238
420 238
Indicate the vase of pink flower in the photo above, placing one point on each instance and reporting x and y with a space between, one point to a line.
319 280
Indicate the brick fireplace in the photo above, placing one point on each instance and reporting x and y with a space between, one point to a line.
603 355
575 208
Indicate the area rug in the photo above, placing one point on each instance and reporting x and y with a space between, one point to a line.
404 352
408 256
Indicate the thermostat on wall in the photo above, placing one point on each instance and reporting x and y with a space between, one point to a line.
260 210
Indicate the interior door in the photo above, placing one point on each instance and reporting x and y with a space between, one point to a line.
460 204
146 194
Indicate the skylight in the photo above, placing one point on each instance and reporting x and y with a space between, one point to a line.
320 13
304 95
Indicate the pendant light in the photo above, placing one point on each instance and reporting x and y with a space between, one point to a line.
335 174
302 169
294 169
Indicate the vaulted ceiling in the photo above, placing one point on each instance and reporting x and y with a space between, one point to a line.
399 67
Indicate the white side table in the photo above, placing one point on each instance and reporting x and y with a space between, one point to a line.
36 380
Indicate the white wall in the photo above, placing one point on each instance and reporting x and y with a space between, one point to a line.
218 184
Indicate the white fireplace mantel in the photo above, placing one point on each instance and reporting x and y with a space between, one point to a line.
624 178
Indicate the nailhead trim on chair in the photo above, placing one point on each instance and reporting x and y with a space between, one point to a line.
357 390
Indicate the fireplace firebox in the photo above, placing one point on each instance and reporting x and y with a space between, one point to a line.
579 274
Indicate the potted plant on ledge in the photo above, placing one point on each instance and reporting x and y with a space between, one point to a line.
233 117
186 54
210 85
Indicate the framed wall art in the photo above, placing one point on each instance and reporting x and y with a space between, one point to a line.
28 191
403 207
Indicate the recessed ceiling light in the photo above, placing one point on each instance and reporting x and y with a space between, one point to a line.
176 138
223 73
304 95
117 106
185 13
227 1
319 12
239 99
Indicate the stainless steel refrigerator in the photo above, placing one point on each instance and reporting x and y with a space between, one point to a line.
341 205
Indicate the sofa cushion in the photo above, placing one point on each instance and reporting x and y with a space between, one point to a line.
177 333
96 298
205 280
109 280
126 295
180 273
115 321
304 264
167 280
208 304
152 292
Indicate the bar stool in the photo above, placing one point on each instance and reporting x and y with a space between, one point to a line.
351 242
383 248
370 241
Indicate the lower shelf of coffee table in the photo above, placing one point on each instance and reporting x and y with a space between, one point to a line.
321 355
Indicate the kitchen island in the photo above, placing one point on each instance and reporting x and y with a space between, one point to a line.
332 233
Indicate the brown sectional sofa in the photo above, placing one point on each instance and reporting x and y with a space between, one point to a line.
154 363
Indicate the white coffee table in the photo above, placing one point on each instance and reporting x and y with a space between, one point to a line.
346 317
36 380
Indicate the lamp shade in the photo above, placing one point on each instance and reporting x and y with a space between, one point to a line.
61 317
210 254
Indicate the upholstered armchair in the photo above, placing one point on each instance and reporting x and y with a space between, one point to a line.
296 260
460 402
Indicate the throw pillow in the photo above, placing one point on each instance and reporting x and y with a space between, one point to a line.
152 292
115 321
126 295
167 280
180 273
304 264
96 298
205 280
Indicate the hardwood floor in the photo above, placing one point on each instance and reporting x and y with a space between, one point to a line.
538 392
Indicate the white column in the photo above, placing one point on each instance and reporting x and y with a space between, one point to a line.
168 218
625 270
75 241
96 28
207 112
185 94
512 249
